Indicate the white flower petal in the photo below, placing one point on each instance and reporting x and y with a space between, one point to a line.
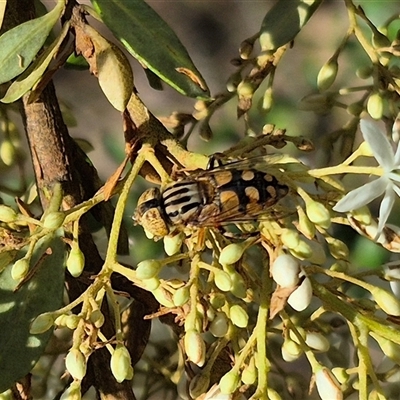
385 208
397 157
379 144
397 190
363 195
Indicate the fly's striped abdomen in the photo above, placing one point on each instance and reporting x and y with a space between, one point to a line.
182 201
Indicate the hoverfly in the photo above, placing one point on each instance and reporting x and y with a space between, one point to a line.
235 192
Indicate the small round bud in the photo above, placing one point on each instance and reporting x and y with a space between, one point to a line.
61 320
97 318
290 238
302 251
151 284
249 374
222 280
75 362
327 385
337 248
231 253
120 363
53 220
317 342
364 72
72 321
41 323
7 214
375 106
181 296
290 350
220 325
245 89
173 243
73 392
8 153
217 300
327 74
229 382
300 299
20 269
238 316
285 271
195 348
318 214
385 300
75 261
163 296
148 269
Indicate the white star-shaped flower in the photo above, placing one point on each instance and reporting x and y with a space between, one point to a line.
387 155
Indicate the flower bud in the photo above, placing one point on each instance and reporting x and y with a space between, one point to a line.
231 253
238 286
199 385
220 325
327 385
327 74
375 106
339 266
364 72
291 351
305 226
317 342
318 255
222 280
72 321
120 363
290 238
97 318
217 300
238 316
337 248
318 214
195 348
267 99
229 382
41 323
75 362
163 296
151 284
8 153
341 374
300 298
173 243
285 271
148 269
181 296
7 214
73 392
302 251
75 261
20 269
245 89
53 220
61 320
249 374
386 301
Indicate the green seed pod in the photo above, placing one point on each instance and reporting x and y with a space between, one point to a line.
220 325
8 153
148 269
238 316
53 220
120 363
41 323
72 321
20 269
75 261
222 280
172 244
97 318
327 74
231 253
75 362
389 303
7 214
318 214
249 374
181 296
229 382
375 106
195 347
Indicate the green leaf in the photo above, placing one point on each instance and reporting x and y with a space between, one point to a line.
19 349
284 21
152 42
32 75
19 45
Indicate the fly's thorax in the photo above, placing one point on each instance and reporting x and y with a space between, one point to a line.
149 213
182 201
